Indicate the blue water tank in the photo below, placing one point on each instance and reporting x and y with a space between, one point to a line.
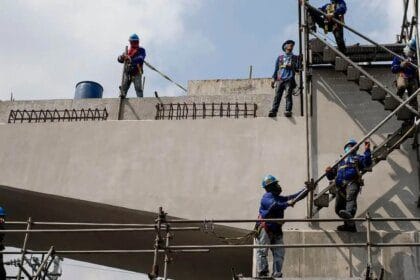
88 89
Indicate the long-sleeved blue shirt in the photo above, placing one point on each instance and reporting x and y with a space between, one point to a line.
408 72
347 169
340 8
285 67
272 206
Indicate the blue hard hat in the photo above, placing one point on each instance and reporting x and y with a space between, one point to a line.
134 37
2 212
351 142
412 44
268 180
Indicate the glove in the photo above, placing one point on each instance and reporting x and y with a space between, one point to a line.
272 84
328 169
367 145
291 203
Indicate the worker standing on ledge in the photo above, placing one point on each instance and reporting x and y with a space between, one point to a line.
286 67
407 74
2 220
133 67
348 181
336 9
270 233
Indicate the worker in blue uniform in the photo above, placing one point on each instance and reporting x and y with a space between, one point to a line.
348 181
272 206
335 9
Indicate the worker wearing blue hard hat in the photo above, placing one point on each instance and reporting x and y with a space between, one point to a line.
272 206
133 60
348 181
2 221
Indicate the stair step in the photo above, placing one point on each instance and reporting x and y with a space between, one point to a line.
352 74
341 64
378 93
390 103
404 114
328 55
365 83
317 46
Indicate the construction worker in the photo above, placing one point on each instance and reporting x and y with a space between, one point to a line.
335 9
272 206
407 74
133 70
348 181
286 66
2 220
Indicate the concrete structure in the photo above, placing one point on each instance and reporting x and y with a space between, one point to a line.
212 168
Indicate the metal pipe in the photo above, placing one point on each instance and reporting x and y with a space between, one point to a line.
368 240
405 21
305 76
41 267
78 224
364 72
300 30
91 230
359 34
88 252
23 250
250 72
167 258
416 33
259 220
159 220
249 246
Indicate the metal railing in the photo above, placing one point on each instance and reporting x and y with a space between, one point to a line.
180 111
163 228
39 116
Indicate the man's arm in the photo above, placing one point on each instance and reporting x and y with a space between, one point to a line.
276 69
366 158
293 196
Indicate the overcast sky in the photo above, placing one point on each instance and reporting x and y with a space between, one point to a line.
48 46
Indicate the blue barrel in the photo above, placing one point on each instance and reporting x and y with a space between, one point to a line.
88 89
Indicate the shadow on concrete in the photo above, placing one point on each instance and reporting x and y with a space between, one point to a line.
216 264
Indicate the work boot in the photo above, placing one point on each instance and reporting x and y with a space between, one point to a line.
342 228
288 114
272 114
263 274
344 214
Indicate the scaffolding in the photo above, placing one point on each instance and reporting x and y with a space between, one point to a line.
164 228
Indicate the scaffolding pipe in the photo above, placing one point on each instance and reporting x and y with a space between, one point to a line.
368 240
91 230
359 34
23 250
404 26
93 252
41 267
78 224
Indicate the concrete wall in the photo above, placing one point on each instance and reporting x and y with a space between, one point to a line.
142 165
144 108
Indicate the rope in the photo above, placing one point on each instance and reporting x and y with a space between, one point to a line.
165 76
208 228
